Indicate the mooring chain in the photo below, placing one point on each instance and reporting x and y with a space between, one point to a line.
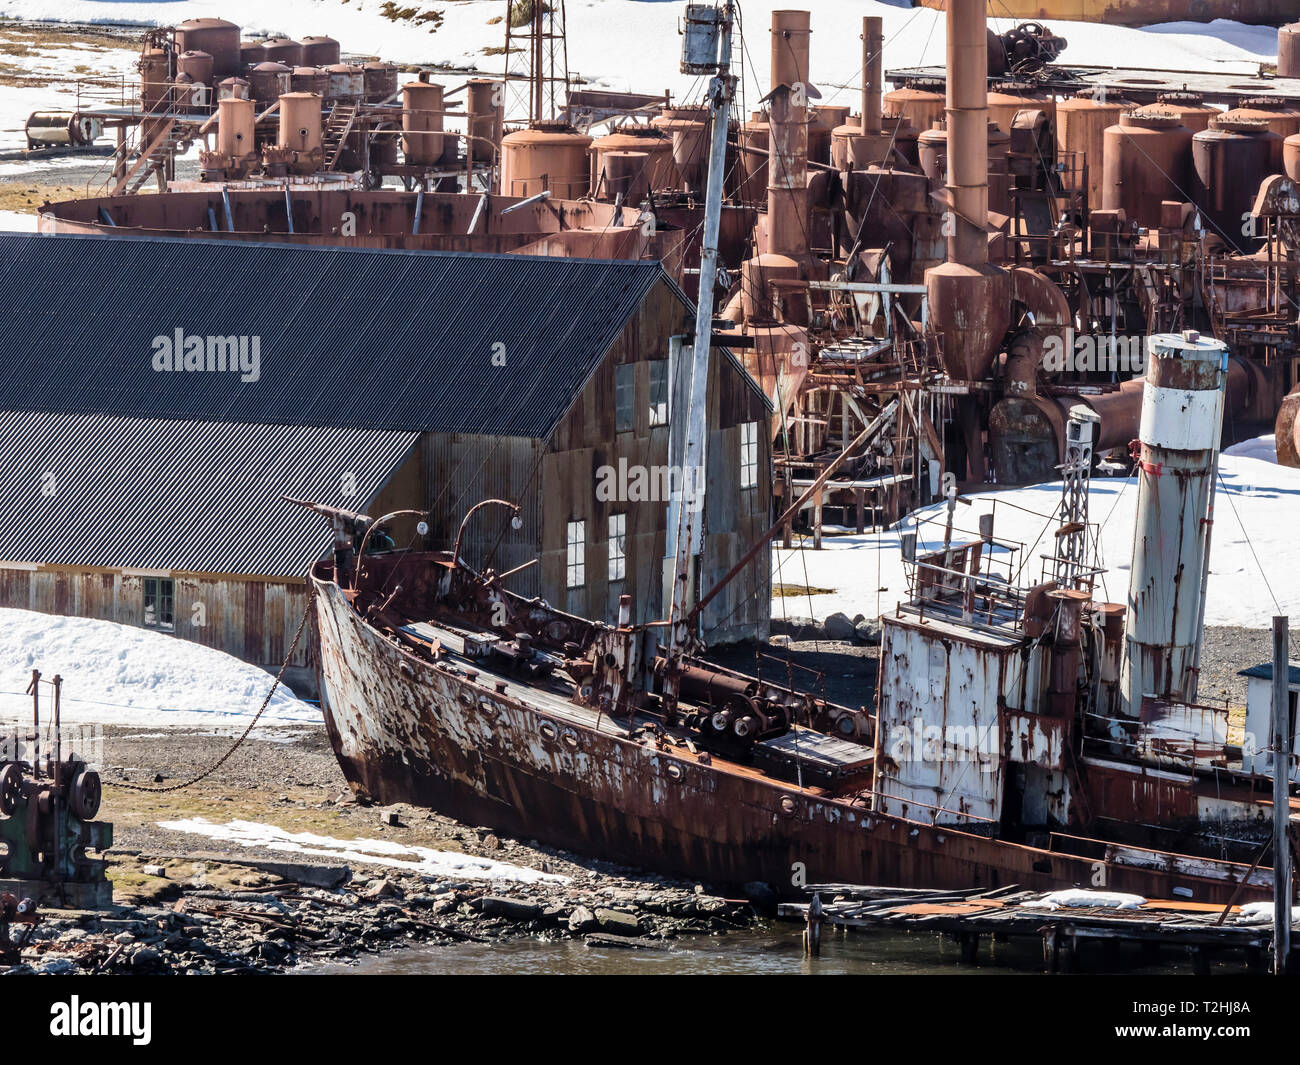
302 624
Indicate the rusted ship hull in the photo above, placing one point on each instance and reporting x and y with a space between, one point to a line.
406 730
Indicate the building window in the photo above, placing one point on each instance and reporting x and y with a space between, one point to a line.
159 596
659 392
617 547
749 455
624 398
576 560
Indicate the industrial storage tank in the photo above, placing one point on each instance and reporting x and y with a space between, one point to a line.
198 65
217 37
932 156
282 50
1288 51
380 80
268 82
155 75
657 149
347 83
1081 124
752 141
250 54
1228 163
300 130
689 129
622 173
1147 160
309 79
235 132
1006 98
234 88
422 140
920 101
320 51
548 155
485 100
822 121
1278 115
1189 108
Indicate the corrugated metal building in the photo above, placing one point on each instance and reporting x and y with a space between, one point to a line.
158 398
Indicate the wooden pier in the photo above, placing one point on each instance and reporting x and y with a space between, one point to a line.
1074 938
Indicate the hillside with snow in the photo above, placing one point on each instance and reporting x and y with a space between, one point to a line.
1254 557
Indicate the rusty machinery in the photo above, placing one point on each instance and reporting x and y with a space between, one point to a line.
48 803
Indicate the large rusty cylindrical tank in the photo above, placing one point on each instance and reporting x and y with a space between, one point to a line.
822 122
1229 161
920 101
320 51
761 300
234 88
380 81
309 79
1081 124
1288 51
485 103
282 50
689 129
1189 108
198 65
1006 98
1286 429
1281 117
1147 160
217 37
235 119
660 170
422 123
347 83
250 54
268 82
1182 419
300 130
932 156
548 155
623 173
155 75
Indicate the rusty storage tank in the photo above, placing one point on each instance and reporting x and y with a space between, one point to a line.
320 51
422 140
822 121
1188 107
1228 163
752 140
1147 159
485 102
623 173
155 74
282 50
920 101
234 89
660 170
217 37
1278 115
1008 97
1288 51
309 79
347 83
380 81
269 81
235 137
548 155
300 130
198 65
689 129
250 54
1081 124
932 156
848 144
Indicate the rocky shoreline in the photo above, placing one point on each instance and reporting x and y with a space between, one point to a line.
285 924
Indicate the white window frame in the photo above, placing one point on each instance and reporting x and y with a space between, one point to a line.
617 547
625 383
749 454
575 557
659 401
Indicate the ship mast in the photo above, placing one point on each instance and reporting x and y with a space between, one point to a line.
706 49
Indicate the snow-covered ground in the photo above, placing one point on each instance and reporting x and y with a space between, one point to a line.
385 853
634 44
1252 577
122 675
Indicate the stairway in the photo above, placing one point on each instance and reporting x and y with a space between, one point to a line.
335 133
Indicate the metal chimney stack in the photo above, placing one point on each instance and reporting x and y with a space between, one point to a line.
1182 417
787 169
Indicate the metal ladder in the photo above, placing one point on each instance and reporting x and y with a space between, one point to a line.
336 131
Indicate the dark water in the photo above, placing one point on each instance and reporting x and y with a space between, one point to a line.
772 950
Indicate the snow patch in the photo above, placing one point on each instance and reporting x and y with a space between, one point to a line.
1073 898
412 859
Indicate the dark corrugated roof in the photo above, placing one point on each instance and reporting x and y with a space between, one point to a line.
393 340
1265 671
204 497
